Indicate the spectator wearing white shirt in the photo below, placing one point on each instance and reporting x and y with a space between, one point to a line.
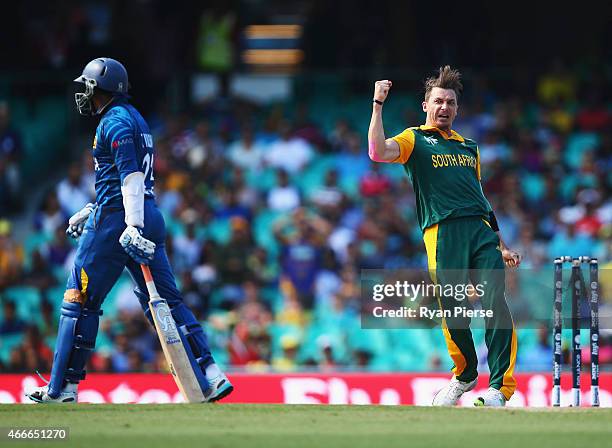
246 153
283 197
72 192
50 216
291 154
187 247
329 196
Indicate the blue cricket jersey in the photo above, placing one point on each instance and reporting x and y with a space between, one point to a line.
123 145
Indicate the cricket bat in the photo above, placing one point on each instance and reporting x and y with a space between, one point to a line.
171 343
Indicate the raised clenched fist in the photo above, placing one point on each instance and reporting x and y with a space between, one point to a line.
381 89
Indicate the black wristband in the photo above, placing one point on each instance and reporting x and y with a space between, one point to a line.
493 221
377 102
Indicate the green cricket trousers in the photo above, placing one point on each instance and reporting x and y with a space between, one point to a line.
466 250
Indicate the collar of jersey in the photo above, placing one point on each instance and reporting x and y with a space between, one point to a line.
117 101
453 136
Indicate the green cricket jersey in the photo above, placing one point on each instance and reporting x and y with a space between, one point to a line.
445 173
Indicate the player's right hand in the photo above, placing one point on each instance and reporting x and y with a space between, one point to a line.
137 246
76 223
511 259
381 89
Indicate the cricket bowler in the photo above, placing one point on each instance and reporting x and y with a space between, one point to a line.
459 230
123 229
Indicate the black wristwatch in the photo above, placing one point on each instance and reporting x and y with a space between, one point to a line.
377 102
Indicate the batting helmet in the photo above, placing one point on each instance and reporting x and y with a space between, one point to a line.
102 73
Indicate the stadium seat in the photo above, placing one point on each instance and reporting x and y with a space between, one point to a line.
374 341
173 226
526 337
55 295
8 343
110 305
26 299
32 242
262 229
316 335
219 230
313 175
577 144
532 186
262 180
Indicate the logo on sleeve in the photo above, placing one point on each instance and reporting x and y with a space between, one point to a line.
117 143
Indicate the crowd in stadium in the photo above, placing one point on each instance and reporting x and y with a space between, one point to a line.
271 216
272 211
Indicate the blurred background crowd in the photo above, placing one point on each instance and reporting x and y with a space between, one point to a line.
272 205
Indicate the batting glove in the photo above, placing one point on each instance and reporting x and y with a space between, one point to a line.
137 246
76 223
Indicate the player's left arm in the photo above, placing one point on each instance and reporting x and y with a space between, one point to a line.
122 144
511 258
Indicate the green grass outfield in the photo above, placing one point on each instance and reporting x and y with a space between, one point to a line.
243 425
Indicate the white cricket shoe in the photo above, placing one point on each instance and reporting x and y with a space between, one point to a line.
492 398
450 395
67 395
220 387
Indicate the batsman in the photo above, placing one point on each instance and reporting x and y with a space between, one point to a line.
460 232
123 229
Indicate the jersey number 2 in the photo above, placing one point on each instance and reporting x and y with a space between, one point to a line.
147 166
